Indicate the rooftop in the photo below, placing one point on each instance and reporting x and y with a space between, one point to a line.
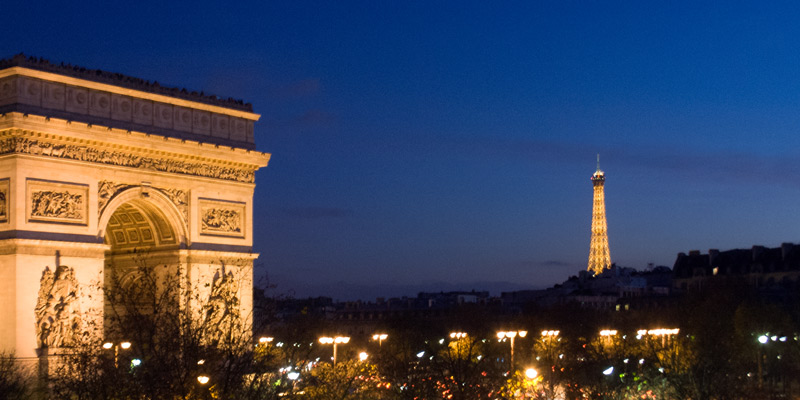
112 78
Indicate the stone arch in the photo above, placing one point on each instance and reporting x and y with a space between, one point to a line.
161 212
145 234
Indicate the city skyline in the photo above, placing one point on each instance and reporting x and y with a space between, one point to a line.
441 147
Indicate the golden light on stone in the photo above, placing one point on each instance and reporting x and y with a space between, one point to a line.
137 169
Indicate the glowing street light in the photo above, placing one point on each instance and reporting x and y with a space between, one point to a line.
265 339
607 335
511 335
203 379
380 337
662 332
531 373
363 356
457 335
116 346
335 341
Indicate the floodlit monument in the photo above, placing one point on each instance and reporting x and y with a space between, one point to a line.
98 168
599 254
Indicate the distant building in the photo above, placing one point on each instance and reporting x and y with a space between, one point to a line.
764 269
614 288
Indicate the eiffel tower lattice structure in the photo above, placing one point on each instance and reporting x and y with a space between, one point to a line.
599 255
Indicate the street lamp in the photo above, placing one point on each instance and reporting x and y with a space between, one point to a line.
116 346
511 335
363 356
335 341
547 341
264 340
550 333
763 339
665 334
607 335
380 337
457 335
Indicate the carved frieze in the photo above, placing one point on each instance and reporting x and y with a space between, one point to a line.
22 145
61 202
222 218
107 190
4 198
180 198
222 310
58 320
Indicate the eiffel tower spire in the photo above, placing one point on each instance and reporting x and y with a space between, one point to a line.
599 255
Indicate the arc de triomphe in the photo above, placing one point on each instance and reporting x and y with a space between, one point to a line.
94 165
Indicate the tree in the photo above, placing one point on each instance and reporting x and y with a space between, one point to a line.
15 383
347 379
178 334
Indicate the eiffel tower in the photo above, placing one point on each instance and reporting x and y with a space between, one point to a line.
599 255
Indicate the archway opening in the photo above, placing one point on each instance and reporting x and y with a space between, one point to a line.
142 268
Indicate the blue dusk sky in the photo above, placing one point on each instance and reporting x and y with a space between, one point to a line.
443 145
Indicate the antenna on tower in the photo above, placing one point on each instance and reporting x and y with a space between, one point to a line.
598 161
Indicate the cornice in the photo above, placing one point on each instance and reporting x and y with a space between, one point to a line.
48 248
68 80
56 138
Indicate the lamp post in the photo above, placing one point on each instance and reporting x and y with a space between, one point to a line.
116 346
511 335
607 336
380 337
457 335
665 334
547 340
335 341
763 339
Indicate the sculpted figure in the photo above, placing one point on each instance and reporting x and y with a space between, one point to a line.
2 203
223 220
57 314
56 204
222 310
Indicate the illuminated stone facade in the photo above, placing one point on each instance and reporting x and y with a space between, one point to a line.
599 255
94 165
